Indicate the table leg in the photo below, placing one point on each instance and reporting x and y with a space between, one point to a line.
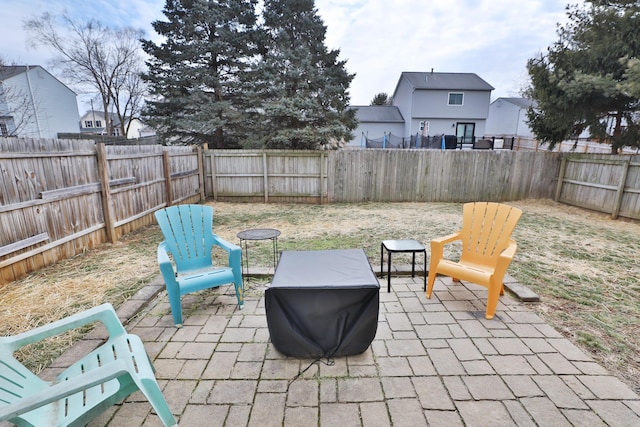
245 255
413 264
274 243
389 270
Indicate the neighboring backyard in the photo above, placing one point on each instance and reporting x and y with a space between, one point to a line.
585 267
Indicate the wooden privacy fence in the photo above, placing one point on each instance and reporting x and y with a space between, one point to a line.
603 183
378 175
440 176
266 175
61 197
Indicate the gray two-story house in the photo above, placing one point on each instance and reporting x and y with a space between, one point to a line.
430 104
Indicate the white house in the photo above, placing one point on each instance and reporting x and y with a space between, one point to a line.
508 117
35 104
94 122
431 103
139 129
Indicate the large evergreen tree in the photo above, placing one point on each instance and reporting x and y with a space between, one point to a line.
194 74
298 95
589 78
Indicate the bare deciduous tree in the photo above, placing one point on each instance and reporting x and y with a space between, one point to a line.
92 55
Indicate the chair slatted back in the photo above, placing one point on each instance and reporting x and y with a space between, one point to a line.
16 381
187 231
486 231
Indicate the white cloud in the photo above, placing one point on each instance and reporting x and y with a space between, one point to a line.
378 38
492 38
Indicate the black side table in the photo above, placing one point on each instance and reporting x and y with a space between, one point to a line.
399 246
258 234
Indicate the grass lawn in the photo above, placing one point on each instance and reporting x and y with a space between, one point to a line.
585 267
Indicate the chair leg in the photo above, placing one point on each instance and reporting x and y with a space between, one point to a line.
492 300
176 306
430 281
154 395
240 294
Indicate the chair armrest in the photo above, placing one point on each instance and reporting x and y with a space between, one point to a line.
505 258
227 246
166 266
447 239
437 244
63 389
103 313
510 250
234 251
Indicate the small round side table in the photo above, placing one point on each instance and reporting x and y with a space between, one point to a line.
258 234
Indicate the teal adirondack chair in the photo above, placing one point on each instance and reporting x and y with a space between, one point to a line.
100 379
189 239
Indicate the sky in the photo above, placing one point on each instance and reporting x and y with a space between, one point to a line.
379 39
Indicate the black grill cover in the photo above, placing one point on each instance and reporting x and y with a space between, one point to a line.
323 303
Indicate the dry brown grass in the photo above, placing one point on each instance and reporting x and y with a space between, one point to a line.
585 266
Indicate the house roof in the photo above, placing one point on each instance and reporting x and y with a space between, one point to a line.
445 81
100 114
518 102
8 71
378 113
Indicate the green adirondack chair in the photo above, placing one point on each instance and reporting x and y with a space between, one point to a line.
189 239
88 387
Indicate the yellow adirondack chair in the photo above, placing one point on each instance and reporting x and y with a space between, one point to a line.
88 387
487 249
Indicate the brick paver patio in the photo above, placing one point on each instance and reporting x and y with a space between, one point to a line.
433 362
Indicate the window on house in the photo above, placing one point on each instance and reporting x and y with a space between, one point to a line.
455 98
4 131
98 123
88 123
466 132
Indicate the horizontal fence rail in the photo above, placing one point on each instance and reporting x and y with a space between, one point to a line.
61 197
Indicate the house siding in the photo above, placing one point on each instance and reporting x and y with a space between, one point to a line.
375 131
432 106
403 99
507 119
55 104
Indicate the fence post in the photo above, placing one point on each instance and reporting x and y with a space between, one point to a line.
620 192
166 165
563 165
265 178
105 193
214 186
322 173
200 173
